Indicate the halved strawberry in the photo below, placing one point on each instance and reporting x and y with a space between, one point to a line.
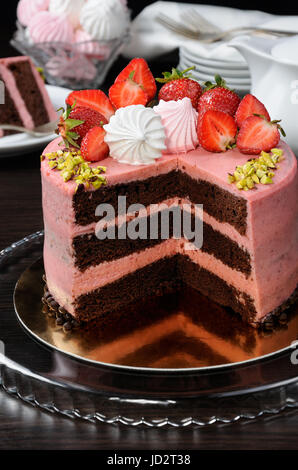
94 99
127 93
75 123
216 131
257 135
249 106
141 75
93 147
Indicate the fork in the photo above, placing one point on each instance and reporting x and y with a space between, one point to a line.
197 22
40 131
209 37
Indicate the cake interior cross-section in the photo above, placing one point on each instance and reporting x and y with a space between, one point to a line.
215 158
247 260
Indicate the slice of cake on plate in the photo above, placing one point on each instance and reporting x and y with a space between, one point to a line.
167 157
26 100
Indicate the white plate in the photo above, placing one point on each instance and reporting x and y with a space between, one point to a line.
18 144
242 73
199 75
213 62
241 89
233 81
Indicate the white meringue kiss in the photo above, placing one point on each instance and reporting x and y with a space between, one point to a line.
179 119
135 135
104 19
70 8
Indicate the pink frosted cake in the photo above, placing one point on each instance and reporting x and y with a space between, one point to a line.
26 102
248 257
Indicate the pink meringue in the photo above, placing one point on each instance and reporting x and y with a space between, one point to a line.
70 8
48 27
77 67
27 9
87 45
179 119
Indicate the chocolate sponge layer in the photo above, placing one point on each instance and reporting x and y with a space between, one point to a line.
166 275
90 251
220 204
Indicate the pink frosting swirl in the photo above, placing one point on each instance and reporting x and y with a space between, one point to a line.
27 9
179 119
48 27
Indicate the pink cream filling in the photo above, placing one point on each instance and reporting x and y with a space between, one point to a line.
59 226
69 283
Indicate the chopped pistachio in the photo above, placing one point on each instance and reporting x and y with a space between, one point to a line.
73 167
255 178
266 180
250 182
260 173
278 152
256 170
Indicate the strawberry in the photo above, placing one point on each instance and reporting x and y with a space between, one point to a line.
218 97
94 99
249 106
76 122
94 148
178 85
216 131
257 134
139 70
127 93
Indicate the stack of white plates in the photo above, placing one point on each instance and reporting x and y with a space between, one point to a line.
235 73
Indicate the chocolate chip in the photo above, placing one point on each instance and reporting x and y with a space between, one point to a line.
54 304
75 324
67 326
268 325
283 318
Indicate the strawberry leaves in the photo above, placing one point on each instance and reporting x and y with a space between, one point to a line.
65 126
175 75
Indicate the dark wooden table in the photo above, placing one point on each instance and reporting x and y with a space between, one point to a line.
24 427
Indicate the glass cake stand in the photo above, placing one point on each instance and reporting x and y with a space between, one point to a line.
175 361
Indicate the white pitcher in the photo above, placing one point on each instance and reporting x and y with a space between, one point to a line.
274 70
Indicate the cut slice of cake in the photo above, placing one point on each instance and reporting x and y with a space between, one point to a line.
26 101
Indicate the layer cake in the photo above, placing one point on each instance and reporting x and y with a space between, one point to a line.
248 260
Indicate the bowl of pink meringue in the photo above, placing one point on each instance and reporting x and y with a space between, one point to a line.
75 42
